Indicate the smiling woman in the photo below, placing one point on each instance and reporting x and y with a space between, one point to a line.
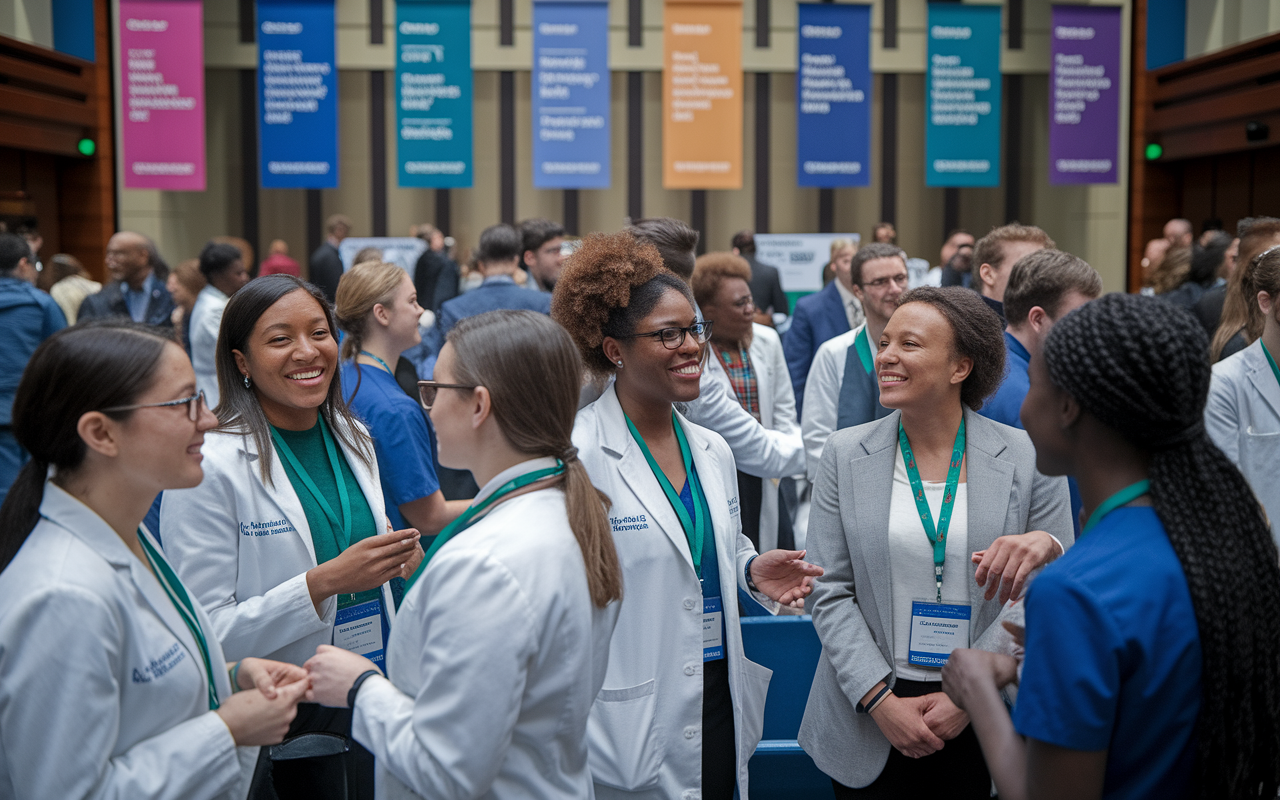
286 542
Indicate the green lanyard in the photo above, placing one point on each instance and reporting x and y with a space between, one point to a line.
863 345
389 370
343 532
937 535
1123 497
182 602
468 517
695 530
1274 369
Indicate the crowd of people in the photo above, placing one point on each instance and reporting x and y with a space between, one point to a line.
489 527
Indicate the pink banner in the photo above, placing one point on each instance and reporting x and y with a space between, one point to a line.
162 83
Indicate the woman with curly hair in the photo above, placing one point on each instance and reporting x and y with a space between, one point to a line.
664 724
900 506
1153 648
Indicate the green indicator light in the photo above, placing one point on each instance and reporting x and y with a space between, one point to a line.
1154 151
86 147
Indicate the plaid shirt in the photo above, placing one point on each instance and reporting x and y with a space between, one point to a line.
737 363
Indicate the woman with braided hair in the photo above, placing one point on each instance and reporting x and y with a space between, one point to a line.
1156 682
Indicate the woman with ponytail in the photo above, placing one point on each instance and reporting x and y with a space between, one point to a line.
1152 647
502 640
112 682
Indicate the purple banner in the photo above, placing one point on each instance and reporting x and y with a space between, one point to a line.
1084 117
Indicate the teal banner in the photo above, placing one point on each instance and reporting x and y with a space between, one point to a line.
962 125
433 93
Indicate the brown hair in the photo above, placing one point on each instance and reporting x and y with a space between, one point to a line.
713 268
990 248
189 275
61 266
514 353
675 242
1173 271
871 252
366 255
1240 312
1044 278
976 334
362 287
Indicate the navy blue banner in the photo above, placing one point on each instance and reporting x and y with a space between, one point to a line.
297 94
962 123
433 93
833 91
571 94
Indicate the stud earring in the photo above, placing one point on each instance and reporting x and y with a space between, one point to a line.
246 382
619 363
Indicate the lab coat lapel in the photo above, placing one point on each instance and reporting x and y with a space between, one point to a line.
710 474
1263 379
764 381
280 491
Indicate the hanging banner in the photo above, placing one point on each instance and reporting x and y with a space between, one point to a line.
702 94
433 93
962 126
571 94
1084 119
162 87
833 84
297 94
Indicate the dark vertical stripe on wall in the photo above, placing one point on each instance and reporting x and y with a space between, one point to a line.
571 212
315 220
950 210
698 217
1016 17
506 23
635 144
1012 147
635 23
762 151
507 144
762 22
889 147
826 211
444 215
248 22
249 160
378 148
376 23
889 38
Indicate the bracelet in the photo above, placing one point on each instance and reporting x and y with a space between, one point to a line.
751 585
876 704
875 701
235 677
355 687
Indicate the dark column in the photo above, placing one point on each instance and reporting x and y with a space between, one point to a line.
889 148
698 217
1015 20
889 37
376 23
1012 147
635 143
762 23
950 210
378 147
315 221
762 150
507 144
249 160
635 23
826 211
248 21
506 23
571 211
444 214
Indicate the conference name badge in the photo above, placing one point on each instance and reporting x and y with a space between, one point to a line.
360 629
936 630
712 629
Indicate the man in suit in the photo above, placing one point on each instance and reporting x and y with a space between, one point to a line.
137 289
543 255
766 284
819 317
326 265
436 275
497 258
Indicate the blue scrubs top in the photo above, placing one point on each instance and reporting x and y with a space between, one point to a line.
1113 657
401 436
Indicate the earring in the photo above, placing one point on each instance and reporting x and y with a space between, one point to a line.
619 363
246 382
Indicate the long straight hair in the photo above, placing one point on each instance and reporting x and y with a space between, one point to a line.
238 408
533 372
1240 312
89 367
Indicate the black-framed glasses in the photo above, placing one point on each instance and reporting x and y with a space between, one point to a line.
879 283
427 391
672 338
194 404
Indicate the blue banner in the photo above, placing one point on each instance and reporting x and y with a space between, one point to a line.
833 87
962 123
433 93
297 94
571 94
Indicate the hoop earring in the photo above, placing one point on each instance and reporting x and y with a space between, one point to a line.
247 383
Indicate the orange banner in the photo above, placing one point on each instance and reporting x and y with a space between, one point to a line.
702 94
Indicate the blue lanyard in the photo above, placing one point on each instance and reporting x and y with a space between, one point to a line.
937 534
1121 498
380 361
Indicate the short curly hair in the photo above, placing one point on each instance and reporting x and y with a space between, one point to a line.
606 288
976 334
713 268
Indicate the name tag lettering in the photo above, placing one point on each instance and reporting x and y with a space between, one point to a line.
159 667
936 630
268 528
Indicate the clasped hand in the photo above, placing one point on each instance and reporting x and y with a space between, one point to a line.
260 714
919 726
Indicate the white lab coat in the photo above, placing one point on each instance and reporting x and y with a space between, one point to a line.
777 411
494 663
822 396
206 320
645 732
103 691
1242 417
243 549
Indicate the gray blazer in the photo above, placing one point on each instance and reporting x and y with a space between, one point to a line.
852 602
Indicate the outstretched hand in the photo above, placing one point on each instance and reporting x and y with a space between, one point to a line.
784 576
1009 561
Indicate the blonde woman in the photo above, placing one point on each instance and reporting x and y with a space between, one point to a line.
377 308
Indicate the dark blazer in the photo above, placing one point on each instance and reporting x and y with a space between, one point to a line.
110 303
766 287
819 317
435 278
495 293
326 269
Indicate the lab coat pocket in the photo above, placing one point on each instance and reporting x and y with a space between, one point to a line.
625 751
753 688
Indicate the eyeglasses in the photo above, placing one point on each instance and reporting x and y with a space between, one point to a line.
744 302
195 403
672 338
879 283
427 391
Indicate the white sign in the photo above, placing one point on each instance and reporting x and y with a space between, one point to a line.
799 257
403 251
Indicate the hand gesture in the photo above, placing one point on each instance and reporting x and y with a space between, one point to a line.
254 720
267 676
1010 560
365 565
943 717
971 672
332 671
901 720
784 576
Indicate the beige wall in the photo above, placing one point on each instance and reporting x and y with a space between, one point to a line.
1090 221
1218 24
